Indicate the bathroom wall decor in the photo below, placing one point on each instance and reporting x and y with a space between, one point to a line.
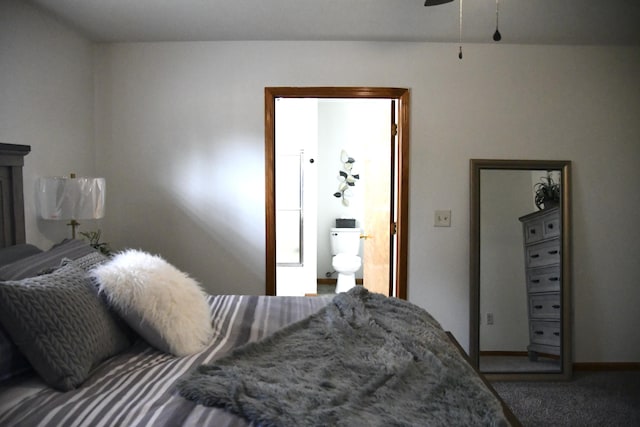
346 177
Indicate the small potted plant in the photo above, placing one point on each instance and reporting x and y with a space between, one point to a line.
547 192
94 241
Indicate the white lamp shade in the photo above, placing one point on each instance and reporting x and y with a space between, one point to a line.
71 198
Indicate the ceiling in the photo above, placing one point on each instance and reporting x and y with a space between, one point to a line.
572 22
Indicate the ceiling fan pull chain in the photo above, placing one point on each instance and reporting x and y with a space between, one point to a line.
460 32
497 36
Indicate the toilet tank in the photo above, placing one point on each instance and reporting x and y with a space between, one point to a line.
345 241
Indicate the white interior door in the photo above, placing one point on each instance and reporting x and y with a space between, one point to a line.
379 253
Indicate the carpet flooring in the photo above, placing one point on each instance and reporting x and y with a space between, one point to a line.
589 399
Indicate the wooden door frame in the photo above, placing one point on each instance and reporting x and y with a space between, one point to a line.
402 235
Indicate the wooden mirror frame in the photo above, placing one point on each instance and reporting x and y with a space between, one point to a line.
476 166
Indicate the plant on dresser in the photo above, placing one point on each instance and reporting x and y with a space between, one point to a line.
547 192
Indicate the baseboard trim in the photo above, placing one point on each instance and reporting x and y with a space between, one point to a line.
503 353
577 366
322 281
515 353
606 366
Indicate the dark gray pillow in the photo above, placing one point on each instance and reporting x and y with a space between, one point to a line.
17 252
43 262
12 361
60 324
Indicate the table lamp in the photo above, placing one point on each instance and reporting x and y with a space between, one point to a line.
61 198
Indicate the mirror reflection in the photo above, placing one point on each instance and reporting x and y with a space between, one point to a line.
521 327
519 276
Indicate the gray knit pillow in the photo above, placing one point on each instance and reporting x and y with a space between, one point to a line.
90 260
60 325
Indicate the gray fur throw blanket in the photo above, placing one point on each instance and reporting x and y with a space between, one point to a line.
363 360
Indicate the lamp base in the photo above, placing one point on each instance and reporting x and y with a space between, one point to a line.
73 223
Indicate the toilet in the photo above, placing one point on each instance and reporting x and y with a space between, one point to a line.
345 246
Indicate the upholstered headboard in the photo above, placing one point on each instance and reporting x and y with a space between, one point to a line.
11 196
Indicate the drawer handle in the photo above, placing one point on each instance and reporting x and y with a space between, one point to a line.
535 280
556 306
554 279
539 333
550 226
532 231
556 334
535 256
537 307
553 252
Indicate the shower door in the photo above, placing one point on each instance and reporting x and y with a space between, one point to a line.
296 188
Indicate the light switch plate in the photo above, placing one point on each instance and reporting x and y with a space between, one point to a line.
442 219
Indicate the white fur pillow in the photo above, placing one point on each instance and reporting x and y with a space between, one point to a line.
164 305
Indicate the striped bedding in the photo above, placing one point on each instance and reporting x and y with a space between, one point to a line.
136 388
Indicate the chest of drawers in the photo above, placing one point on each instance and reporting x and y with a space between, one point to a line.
542 255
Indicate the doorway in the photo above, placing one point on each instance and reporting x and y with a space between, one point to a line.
296 211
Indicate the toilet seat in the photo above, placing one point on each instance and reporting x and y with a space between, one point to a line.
346 263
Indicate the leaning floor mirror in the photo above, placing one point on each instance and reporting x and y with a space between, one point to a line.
520 269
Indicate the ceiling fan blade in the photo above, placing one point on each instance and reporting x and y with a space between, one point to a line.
436 2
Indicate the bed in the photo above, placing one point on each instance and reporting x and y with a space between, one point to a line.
356 358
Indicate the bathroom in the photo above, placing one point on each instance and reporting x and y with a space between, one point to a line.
325 151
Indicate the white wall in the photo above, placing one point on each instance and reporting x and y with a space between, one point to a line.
46 101
505 196
179 134
170 114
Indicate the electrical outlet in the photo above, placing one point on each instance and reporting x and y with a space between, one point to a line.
442 219
489 318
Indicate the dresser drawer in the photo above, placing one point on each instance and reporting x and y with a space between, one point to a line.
551 226
543 254
541 225
546 333
533 231
544 306
545 279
